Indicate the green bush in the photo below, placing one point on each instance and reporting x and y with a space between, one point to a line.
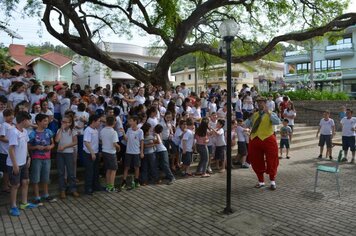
314 95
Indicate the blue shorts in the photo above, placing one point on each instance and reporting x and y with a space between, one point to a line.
348 142
3 166
220 153
132 160
187 158
284 143
40 170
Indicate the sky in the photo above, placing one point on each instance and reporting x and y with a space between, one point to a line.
28 28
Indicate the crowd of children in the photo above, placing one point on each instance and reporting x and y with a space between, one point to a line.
154 132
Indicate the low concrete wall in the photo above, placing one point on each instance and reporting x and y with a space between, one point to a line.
310 112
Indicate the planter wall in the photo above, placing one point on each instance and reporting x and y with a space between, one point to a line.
310 112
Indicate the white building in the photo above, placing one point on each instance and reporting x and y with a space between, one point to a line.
258 74
93 72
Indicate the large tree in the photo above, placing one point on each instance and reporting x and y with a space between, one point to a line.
186 26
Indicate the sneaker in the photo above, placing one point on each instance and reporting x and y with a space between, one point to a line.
111 190
245 166
320 156
343 159
273 187
36 201
288 157
330 157
24 206
123 185
280 157
14 211
170 182
63 195
50 199
136 184
75 194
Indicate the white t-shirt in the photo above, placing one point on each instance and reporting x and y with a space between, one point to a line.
167 126
108 137
212 107
220 138
176 136
78 122
15 98
48 113
347 125
67 138
5 84
196 113
290 113
212 125
240 134
134 138
271 105
238 106
4 131
91 136
139 100
189 138
221 113
160 146
65 105
153 122
35 98
326 126
19 140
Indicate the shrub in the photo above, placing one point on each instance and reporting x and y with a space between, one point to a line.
303 94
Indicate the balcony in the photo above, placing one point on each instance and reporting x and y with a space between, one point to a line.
339 51
349 73
297 57
318 76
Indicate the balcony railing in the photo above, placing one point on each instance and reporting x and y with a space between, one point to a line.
339 47
296 53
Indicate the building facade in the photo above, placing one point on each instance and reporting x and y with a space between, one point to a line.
260 74
334 65
49 68
92 72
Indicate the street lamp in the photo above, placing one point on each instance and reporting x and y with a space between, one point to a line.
228 29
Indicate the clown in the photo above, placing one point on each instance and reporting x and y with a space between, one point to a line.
263 148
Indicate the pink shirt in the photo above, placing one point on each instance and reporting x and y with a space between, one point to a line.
201 140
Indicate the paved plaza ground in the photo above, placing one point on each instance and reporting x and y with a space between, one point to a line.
191 206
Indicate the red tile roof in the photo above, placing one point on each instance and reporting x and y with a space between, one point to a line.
56 58
17 52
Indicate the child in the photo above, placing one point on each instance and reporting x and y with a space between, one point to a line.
162 155
177 137
149 164
167 134
66 138
134 151
91 155
81 118
241 143
286 137
18 163
36 94
211 145
18 94
220 145
201 136
40 144
327 132
187 147
3 103
109 139
4 146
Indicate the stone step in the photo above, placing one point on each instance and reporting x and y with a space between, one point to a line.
308 144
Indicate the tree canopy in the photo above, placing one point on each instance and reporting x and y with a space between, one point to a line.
182 27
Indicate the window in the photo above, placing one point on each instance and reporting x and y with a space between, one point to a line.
149 65
303 68
327 65
189 77
133 62
345 40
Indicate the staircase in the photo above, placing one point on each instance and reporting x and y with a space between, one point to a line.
304 136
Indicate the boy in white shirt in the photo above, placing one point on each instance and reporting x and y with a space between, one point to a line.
241 143
18 162
109 139
4 146
327 132
348 124
187 144
134 152
220 145
91 155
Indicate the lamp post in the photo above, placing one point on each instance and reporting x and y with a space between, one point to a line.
228 29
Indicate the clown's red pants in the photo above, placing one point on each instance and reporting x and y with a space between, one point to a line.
264 157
